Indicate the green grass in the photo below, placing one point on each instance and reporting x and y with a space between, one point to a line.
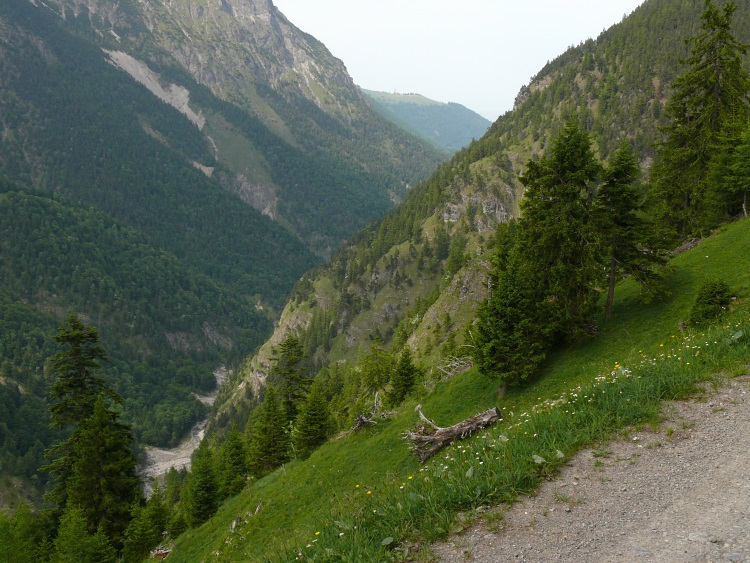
586 393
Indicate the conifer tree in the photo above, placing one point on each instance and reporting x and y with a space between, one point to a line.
290 375
403 379
146 527
544 289
200 498
103 483
75 544
269 441
313 423
231 465
708 98
626 236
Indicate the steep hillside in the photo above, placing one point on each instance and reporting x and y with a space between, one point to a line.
293 134
174 211
448 126
354 493
418 275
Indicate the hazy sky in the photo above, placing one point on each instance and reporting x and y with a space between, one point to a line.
474 52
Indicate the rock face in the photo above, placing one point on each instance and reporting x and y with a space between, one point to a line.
234 47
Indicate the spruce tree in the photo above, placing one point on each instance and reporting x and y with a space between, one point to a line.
290 375
544 286
626 237
313 423
269 441
403 379
708 98
200 495
103 483
75 544
231 465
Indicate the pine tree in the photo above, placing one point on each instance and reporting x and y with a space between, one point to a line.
626 236
712 94
290 375
556 234
313 423
544 287
74 543
269 440
200 493
76 386
231 465
403 379
73 395
103 483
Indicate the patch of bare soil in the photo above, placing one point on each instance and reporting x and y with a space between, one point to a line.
677 493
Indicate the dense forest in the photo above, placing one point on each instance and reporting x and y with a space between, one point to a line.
589 217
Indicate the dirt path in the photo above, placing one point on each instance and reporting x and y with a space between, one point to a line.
680 494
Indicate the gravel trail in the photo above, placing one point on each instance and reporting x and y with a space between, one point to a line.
678 494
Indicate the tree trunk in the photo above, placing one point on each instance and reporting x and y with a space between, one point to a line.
611 293
428 441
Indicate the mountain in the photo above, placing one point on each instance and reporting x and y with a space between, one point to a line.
448 126
416 276
290 132
169 171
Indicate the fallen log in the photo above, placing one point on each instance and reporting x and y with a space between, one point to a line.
431 438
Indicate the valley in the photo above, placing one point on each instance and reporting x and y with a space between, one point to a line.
200 183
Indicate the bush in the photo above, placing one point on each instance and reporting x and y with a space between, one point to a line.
711 302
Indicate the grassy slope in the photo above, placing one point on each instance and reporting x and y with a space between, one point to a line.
296 501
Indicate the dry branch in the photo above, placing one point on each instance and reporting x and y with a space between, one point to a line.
427 441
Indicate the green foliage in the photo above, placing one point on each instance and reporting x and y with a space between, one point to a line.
269 440
200 498
313 424
74 543
708 98
231 465
103 483
546 291
76 388
290 375
403 379
629 245
711 302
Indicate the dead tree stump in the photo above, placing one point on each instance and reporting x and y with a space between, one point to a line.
431 438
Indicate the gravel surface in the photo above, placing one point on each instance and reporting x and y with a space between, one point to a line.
678 493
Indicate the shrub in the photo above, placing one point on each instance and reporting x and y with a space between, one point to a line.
712 300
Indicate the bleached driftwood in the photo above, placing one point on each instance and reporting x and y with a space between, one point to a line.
431 438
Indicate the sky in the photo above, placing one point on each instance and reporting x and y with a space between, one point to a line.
477 53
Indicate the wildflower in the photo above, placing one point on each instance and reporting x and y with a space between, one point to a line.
317 533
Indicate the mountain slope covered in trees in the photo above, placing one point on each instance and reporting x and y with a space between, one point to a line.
417 276
448 126
174 219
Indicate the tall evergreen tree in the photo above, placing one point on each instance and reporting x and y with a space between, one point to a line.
75 544
103 484
313 423
708 99
290 375
545 288
403 379
200 493
626 236
556 234
269 441
76 394
231 465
